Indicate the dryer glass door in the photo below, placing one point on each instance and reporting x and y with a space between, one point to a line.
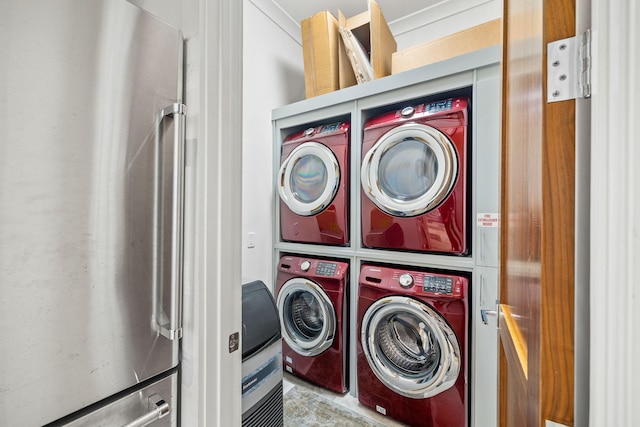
410 347
410 170
307 317
309 178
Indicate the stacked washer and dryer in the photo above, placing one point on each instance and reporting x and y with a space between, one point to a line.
312 293
380 263
412 352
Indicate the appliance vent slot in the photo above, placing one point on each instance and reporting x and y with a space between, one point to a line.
373 279
270 413
287 266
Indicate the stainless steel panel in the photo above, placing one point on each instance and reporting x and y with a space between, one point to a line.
82 82
136 406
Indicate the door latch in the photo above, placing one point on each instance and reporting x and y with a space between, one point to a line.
485 314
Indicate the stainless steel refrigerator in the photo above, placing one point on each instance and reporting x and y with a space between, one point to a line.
91 210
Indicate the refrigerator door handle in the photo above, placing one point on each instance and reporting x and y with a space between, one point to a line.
170 327
158 408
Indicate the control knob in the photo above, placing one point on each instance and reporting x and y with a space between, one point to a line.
305 265
406 280
407 112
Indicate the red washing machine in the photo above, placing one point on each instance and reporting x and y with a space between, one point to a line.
313 305
313 185
414 179
412 360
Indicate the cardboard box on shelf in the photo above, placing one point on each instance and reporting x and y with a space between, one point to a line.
373 33
474 38
320 53
326 65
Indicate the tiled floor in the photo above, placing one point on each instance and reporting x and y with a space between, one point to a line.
306 405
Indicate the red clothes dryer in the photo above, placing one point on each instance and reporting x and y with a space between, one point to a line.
313 305
313 185
414 179
412 353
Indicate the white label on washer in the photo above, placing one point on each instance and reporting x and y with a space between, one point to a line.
490 220
380 409
288 359
289 369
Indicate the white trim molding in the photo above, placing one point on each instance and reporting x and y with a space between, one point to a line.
615 215
447 10
218 225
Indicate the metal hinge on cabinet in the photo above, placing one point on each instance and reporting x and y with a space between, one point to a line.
569 68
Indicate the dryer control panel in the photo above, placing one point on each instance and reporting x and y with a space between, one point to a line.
309 267
319 132
436 107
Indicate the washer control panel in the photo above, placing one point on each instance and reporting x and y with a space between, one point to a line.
438 284
326 268
415 282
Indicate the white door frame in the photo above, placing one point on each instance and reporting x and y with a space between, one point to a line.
217 262
615 215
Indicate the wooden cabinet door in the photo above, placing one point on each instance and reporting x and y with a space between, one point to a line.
537 229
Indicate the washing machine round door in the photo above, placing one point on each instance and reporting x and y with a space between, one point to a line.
410 347
307 317
309 178
410 170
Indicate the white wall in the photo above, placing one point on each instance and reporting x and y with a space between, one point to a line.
442 19
274 76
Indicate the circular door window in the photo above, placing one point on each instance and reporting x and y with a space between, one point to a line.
309 178
409 347
410 170
307 317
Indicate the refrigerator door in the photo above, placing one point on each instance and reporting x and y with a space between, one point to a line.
90 203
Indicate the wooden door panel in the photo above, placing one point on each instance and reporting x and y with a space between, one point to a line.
537 231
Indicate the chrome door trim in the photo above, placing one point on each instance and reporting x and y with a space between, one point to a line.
416 388
333 179
325 338
446 177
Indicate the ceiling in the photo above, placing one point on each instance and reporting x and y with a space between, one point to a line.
391 9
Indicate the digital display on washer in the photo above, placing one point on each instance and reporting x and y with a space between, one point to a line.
438 284
326 269
436 107
330 128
